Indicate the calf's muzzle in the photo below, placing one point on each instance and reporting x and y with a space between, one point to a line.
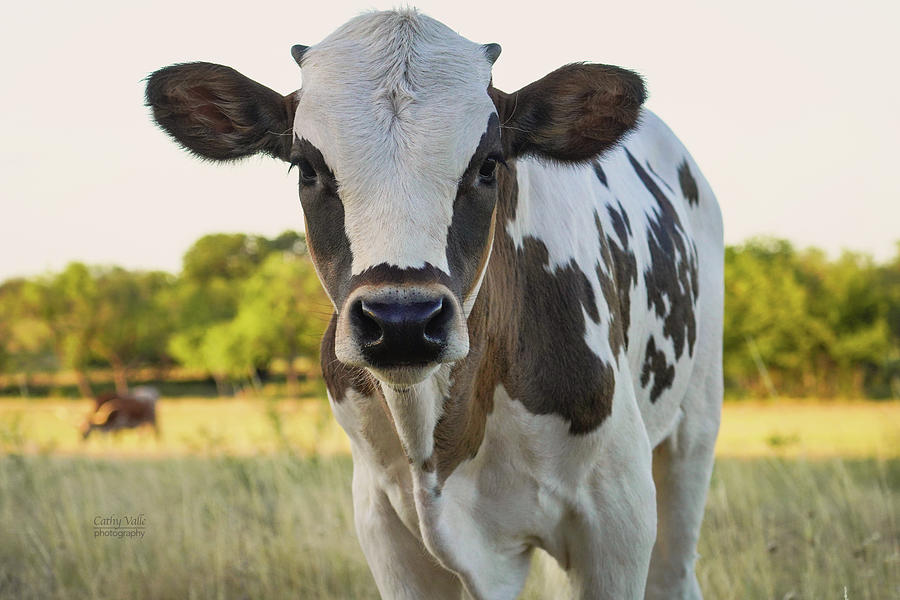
397 332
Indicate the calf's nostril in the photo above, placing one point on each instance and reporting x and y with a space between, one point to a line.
367 324
437 325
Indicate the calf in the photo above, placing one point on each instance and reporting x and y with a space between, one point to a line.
525 350
113 412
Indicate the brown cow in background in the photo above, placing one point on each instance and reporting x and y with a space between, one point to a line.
113 412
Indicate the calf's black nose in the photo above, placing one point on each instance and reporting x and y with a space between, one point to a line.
401 333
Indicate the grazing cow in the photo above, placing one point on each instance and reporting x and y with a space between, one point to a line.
526 345
114 412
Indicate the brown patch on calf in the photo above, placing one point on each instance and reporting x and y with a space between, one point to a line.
607 276
552 370
323 213
338 376
460 430
526 333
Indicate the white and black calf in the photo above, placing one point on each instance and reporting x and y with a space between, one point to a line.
526 344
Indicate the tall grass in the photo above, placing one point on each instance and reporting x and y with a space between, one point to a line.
791 529
215 528
281 526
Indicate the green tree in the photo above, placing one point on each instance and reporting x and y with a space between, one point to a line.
858 319
229 256
233 305
809 324
25 342
281 312
769 332
225 354
196 309
132 323
886 380
66 303
208 291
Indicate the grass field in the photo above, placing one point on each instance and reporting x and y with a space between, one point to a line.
277 527
251 499
192 426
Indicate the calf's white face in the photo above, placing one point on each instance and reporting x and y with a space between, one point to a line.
396 136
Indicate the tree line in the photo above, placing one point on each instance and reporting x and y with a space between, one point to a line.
240 303
796 322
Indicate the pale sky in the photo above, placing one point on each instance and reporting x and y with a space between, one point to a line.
791 109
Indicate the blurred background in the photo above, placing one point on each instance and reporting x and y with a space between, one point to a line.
160 318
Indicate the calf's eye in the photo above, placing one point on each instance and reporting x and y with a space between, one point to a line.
308 173
488 167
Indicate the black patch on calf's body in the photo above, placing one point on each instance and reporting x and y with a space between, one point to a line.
655 364
672 275
535 322
601 174
526 332
688 184
624 264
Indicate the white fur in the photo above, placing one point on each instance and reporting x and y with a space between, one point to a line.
397 104
416 410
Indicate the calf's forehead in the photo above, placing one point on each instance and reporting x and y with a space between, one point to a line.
397 104
393 78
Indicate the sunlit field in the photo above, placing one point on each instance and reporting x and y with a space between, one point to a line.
251 499
252 426
187 426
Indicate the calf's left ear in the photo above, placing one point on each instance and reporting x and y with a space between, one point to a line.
573 114
217 113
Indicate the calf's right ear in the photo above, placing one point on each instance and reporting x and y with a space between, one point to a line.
219 114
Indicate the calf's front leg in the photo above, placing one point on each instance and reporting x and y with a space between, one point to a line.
402 567
611 535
